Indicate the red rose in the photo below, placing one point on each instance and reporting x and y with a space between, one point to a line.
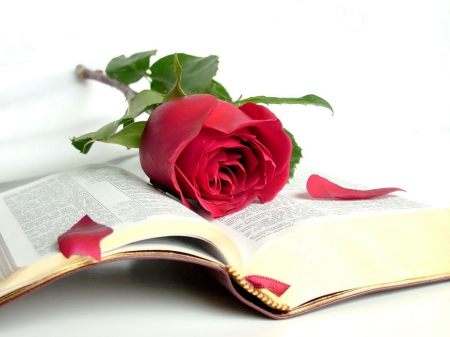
201 148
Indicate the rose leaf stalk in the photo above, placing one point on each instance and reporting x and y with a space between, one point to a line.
99 76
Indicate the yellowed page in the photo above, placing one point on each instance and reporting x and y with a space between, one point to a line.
335 256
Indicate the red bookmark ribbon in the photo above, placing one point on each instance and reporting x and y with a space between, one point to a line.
262 282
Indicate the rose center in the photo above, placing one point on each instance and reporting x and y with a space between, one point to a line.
225 171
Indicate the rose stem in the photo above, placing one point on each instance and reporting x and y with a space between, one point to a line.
98 75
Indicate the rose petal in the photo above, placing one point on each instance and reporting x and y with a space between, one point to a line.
319 187
258 112
227 118
270 133
170 127
262 282
83 238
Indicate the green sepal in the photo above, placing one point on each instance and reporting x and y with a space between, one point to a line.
131 69
176 91
128 136
305 100
198 73
296 154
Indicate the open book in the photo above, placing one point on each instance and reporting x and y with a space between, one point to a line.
283 258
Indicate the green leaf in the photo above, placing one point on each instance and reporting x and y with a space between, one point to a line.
198 73
142 101
176 91
305 100
296 154
84 142
129 69
219 91
129 136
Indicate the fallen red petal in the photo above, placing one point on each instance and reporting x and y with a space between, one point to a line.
83 238
319 187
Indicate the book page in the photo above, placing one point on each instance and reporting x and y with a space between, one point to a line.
321 247
350 253
33 216
187 245
293 208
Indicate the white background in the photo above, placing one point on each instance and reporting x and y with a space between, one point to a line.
383 66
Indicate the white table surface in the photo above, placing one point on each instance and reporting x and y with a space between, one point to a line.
384 66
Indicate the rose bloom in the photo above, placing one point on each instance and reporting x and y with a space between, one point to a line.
201 148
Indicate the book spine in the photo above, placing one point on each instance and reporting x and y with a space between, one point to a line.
255 292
